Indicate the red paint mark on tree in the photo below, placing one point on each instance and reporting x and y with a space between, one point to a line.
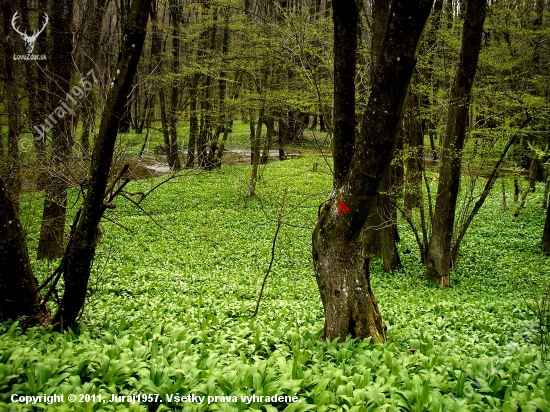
343 208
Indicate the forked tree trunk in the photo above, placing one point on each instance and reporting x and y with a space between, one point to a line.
440 248
80 252
342 273
18 286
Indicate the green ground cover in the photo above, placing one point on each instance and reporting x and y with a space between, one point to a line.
171 302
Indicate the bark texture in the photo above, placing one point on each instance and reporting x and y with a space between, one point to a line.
439 260
345 59
11 167
80 252
18 286
342 273
50 245
380 232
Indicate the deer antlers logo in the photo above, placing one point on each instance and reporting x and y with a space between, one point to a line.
29 40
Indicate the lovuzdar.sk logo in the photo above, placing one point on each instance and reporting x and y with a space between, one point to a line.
29 40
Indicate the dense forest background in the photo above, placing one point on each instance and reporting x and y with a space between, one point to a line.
205 198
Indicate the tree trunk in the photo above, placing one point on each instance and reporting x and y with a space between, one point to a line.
428 122
439 252
41 107
164 126
11 169
222 117
322 127
415 156
252 135
176 16
18 286
270 127
36 87
88 105
173 162
380 16
342 273
80 252
345 59
545 194
193 122
282 136
255 147
546 232
50 245
205 135
380 232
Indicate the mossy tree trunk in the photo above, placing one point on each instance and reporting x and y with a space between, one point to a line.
342 273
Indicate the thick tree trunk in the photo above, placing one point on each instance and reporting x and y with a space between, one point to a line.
282 136
39 110
345 59
380 232
36 87
380 16
439 253
18 286
50 245
80 252
11 170
341 271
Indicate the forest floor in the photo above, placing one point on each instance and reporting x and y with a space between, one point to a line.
173 292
